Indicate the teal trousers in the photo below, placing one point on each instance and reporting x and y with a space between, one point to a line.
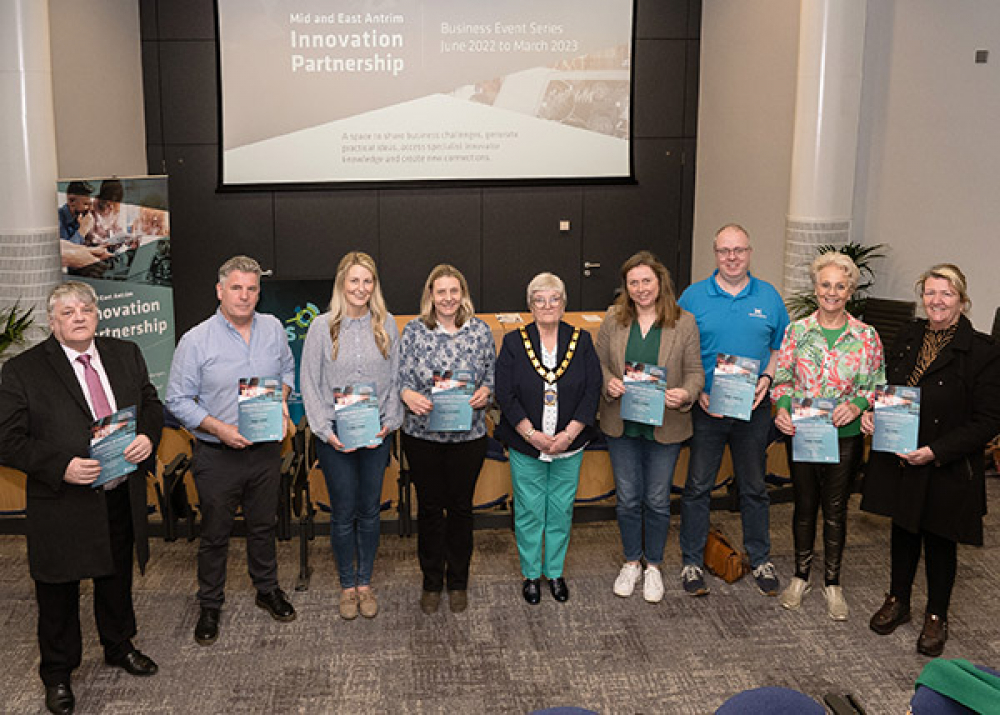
543 511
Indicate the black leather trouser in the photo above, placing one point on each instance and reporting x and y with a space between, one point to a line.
829 486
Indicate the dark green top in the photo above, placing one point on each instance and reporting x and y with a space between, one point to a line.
645 350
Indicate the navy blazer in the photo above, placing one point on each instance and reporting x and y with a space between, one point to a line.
520 389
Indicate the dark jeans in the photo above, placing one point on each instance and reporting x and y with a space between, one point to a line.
829 486
226 479
445 474
59 638
940 561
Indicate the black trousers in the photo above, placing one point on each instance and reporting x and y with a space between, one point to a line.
227 479
59 638
940 562
829 486
445 474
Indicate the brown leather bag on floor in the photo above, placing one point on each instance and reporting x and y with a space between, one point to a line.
722 559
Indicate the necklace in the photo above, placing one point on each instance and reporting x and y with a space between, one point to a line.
548 375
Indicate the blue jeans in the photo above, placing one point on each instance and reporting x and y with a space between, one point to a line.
644 472
354 481
748 447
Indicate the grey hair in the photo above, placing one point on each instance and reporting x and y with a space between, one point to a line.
83 292
243 264
841 261
546 281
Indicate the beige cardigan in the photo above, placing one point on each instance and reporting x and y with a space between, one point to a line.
680 353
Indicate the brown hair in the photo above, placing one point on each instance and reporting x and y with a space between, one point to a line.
465 311
667 310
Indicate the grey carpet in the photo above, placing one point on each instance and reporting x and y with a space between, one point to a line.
612 655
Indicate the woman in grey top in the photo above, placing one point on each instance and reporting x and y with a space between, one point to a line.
355 344
445 349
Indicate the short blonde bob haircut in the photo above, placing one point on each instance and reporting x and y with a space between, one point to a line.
841 261
951 273
465 310
546 281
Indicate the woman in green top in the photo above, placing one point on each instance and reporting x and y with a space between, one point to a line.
646 327
828 354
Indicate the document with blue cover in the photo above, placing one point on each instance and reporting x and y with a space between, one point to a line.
109 437
450 393
645 386
734 384
815 437
897 419
260 416
357 420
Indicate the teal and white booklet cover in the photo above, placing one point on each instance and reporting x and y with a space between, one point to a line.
897 419
450 393
815 437
734 384
260 415
357 421
109 437
645 386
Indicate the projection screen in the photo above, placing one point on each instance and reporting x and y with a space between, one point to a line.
365 91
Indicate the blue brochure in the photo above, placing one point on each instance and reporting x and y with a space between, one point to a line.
260 415
450 394
897 419
109 437
644 389
815 437
357 419
734 385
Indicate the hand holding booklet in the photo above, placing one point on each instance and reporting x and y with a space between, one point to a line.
450 393
897 419
357 420
645 386
734 385
261 418
815 437
109 437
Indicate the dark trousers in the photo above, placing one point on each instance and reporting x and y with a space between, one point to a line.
226 479
59 638
445 474
940 561
829 486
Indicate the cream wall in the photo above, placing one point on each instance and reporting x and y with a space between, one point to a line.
97 88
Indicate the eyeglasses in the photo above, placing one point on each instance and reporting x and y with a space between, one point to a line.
738 252
553 302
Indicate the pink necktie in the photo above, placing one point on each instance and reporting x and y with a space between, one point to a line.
97 397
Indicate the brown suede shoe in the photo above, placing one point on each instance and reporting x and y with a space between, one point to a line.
429 601
933 636
891 615
458 600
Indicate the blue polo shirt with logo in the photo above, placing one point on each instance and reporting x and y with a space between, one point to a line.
750 324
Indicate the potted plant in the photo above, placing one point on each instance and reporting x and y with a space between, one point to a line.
802 304
14 323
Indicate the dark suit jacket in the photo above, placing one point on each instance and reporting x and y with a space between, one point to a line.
959 414
45 423
520 389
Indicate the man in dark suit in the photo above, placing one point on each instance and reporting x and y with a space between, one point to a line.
49 397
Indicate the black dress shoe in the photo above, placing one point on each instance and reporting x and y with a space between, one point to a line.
59 699
135 663
277 605
207 629
532 591
890 616
933 636
560 591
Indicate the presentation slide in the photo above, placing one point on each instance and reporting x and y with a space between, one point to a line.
319 91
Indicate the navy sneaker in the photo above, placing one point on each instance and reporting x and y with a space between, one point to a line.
767 579
693 579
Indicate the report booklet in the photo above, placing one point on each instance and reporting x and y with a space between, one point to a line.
109 436
645 386
897 419
260 415
815 437
357 420
734 384
450 393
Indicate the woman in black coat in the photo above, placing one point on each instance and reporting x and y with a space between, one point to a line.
936 495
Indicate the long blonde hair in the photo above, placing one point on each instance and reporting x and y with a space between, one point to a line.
376 303
465 310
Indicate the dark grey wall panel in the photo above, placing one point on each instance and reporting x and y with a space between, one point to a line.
188 93
683 277
420 229
148 26
187 19
155 161
314 229
659 88
691 80
151 91
694 19
662 19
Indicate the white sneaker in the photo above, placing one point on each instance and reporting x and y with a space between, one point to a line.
836 604
652 585
791 597
628 577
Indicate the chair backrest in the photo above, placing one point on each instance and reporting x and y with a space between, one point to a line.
887 316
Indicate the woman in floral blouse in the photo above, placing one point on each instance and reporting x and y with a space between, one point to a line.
833 355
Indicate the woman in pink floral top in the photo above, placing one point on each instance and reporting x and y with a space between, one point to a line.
833 355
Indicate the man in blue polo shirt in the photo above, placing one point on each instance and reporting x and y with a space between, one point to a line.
740 315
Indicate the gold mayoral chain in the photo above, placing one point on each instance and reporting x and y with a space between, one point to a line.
548 375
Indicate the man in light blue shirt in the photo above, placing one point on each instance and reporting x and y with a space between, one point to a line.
229 470
737 314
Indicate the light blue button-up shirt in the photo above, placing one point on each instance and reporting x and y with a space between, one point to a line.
210 360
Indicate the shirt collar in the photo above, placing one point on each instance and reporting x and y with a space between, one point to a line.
749 289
